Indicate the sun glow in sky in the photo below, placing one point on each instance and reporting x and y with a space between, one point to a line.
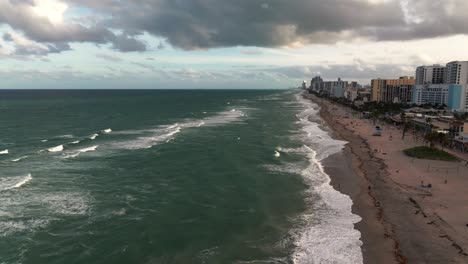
53 10
222 44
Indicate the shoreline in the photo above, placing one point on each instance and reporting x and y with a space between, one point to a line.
396 226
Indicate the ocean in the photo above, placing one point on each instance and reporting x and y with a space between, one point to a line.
181 176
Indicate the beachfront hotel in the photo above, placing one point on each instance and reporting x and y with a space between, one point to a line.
443 85
393 90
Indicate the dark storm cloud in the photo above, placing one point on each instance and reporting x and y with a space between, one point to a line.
199 24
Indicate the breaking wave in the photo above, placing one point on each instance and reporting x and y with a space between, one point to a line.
56 149
326 233
18 159
14 182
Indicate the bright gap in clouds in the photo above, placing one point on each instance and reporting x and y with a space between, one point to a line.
50 9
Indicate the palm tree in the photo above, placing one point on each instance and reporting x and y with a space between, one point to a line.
428 125
431 138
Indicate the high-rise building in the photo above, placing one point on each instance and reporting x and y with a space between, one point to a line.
453 91
457 77
316 84
332 88
337 88
393 90
437 94
457 72
434 74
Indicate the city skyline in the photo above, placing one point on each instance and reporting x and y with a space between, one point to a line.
219 44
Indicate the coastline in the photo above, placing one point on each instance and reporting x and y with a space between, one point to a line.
396 227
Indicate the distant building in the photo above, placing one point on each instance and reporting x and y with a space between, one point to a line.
332 88
437 94
337 88
443 85
434 74
457 128
457 72
393 90
316 84
457 77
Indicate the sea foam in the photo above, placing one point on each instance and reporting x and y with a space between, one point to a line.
18 159
4 152
14 182
327 234
56 149
93 148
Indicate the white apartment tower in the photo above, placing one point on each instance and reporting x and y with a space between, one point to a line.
434 74
457 72
443 85
457 75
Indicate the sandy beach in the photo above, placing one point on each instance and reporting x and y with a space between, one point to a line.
403 222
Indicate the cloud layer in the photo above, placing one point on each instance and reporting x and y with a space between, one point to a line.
202 24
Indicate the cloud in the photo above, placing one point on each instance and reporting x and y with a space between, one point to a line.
251 52
108 57
360 70
200 24
42 21
203 24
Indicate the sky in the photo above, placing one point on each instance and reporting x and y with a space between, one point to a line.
180 44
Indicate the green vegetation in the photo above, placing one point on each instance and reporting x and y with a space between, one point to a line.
429 153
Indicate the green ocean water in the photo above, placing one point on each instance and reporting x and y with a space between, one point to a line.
165 177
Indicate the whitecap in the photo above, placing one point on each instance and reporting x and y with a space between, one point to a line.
14 182
277 154
93 148
94 136
4 152
74 155
107 131
44 140
56 149
18 159
75 142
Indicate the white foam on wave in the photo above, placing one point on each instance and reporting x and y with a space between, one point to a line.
14 182
11 227
93 137
327 234
4 152
64 203
18 159
277 154
83 150
165 134
44 140
56 149
73 155
65 136
93 148
107 131
75 142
